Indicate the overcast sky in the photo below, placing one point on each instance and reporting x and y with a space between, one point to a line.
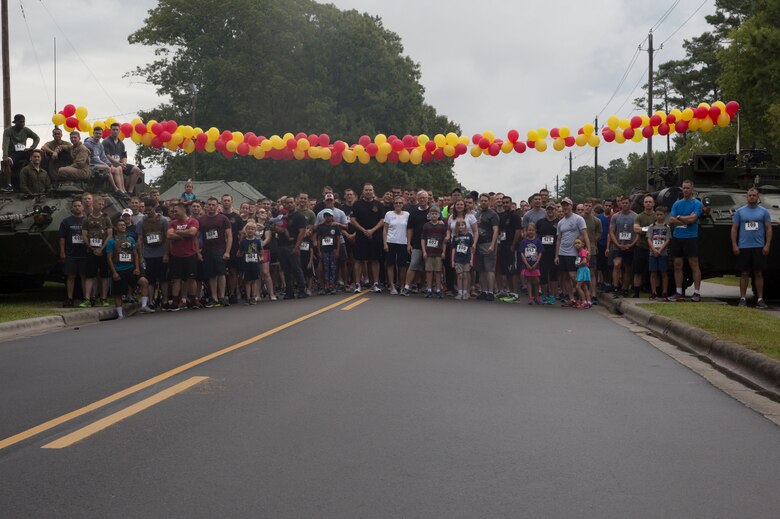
493 65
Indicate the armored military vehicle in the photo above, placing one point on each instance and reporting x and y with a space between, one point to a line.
29 226
721 182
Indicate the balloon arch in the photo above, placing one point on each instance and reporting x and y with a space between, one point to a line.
415 149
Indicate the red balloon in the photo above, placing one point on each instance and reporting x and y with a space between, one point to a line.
127 129
140 128
201 138
226 153
292 144
663 129
427 156
530 144
555 133
335 159
393 157
200 145
484 143
636 121
72 122
655 120
670 119
314 139
732 107
438 154
165 136
476 138
324 139
410 141
494 149
243 148
298 136
287 153
364 140
701 112
171 126
339 147
569 141
398 145
68 111
371 149
608 135
580 131
251 139
391 139
513 135
681 126
156 143
647 132
157 128
430 147
225 136
520 147
628 133
219 144
461 148
714 113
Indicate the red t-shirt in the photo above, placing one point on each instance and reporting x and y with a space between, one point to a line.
187 246
213 230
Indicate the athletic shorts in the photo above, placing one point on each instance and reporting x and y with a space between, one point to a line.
126 280
303 257
213 264
626 256
507 261
156 271
433 264
396 255
462 268
75 267
416 263
367 249
183 267
657 264
567 263
684 247
641 259
486 261
128 169
97 265
251 275
751 259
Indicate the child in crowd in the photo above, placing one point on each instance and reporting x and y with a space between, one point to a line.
659 235
123 262
462 258
251 250
188 196
583 274
432 242
531 254
327 245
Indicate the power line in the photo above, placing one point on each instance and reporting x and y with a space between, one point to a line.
665 16
35 53
685 22
625 75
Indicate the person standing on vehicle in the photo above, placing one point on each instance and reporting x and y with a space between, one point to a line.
751 239
684 216
15 151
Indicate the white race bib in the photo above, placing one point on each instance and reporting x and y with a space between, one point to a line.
658 243
125 257
212 234
461 248
95 242
327 241
530 253
250 257
19 147
152 238
502 236
305 246
751 226
432 243
578 261
548 240
77 239
624 236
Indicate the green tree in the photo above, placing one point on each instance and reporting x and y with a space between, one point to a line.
273 67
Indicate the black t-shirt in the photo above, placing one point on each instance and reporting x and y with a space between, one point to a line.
417 219
70 232
368 215
236 225
485 222
546 232
294 222
328 236
509 222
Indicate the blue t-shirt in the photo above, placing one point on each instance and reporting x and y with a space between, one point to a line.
462 247
531 249
124 263
604 229
189 197
685 207
750 226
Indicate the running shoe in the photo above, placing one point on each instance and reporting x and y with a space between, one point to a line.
490 296
146 310
405 292
357 289
68 303
376 288
696 297
86 304
428 294
439 294
761 304
743 302
393 291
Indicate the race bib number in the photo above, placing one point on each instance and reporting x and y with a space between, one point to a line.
95 242
250 257
432 243
461 248
77 239
305 246
751 226
212 234
530 253
19 147
125 257
548 240
327 241
115 157
152 238
658 243
578 262
624 236
502 236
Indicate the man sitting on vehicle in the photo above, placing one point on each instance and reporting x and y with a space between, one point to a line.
79 170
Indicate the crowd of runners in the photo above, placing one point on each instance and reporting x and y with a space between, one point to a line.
195 253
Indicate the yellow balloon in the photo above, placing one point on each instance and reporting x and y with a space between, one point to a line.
110 121
277 143
176 139
707 124
440 140
238 137
564 132
687 114
348 156
449 151
381 158
541 146
404 156
676 113
212 134
385 149
85 127
315 152
81 113
149 125
694 124
365 158
287 136
624 123
422 139
171 146
476 151
533 135
189 147
637 137
58 119
507 147
720 104
258 153
210 147
490 136
543 133
98 124
594 140
380 139
415 157
359 150
581 140
619 138
197 131
464 139
452 139
326 154
135 137
265 146
231 146
146 139
303 144
705 105
558 144
136 121
299 154
613 122
645 119
662 115
588 129
724 120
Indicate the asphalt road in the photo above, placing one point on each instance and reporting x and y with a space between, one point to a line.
398 407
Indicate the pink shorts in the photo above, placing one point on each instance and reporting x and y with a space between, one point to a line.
531 273
266 256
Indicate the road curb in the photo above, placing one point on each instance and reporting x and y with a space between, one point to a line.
37 325
745 364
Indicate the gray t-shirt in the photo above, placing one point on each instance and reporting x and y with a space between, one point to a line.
623 226
658 234
152 250
533 216
569 229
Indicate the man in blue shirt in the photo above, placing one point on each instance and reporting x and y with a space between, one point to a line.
684 216
751 237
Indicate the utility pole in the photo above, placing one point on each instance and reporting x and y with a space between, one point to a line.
596 163
557 188
6 66
570 177
649 106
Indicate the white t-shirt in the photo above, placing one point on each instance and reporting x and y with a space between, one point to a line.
396 227
470 220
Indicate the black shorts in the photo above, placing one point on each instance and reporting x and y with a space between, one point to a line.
548 269
214 264
75 267
751 260
156 271
626 256
183 267
397 255
367 249
128 169
303 257
97 265
507 261
684 247
641 260
126 280
251 275
567 264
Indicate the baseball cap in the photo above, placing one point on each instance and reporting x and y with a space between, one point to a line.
550 206
127 211
566 201
328 196
327 211
18 117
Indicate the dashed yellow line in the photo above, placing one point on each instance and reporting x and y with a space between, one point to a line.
356 303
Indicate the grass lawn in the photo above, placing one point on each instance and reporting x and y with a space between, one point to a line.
753 328
33 303
729 281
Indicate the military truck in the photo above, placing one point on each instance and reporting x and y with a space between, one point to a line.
721 182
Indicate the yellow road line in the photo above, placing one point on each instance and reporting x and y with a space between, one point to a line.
108 421
29 433
356 303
